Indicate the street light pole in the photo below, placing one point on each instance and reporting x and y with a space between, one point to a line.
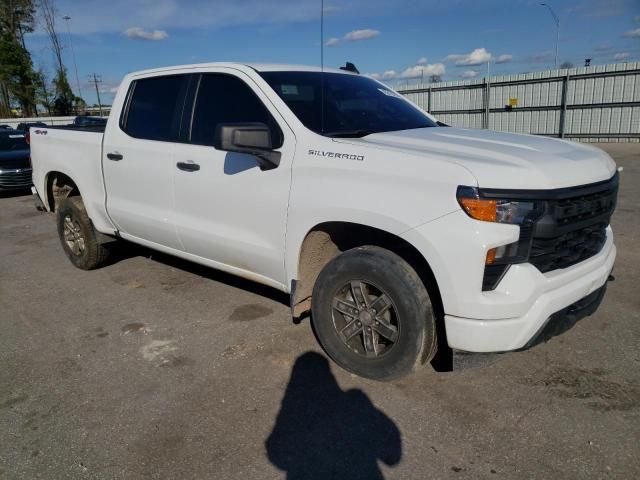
557 21
66 18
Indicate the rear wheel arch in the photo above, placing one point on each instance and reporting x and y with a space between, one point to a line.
58 186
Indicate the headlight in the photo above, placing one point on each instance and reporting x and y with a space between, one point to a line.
488 207
498 210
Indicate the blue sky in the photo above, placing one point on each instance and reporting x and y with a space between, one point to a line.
405 39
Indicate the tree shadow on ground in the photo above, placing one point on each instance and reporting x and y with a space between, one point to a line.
323 432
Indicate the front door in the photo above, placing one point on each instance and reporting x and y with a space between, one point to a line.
227 209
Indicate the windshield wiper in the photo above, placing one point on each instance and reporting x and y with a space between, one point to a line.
350 133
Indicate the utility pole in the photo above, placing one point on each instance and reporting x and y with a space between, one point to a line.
66 18
97 80
557 21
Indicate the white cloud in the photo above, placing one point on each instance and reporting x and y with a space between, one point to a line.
332 42
632 33
422 61
387 75
618 57
477 57
363 34
140 33
420 71
506 58
469 74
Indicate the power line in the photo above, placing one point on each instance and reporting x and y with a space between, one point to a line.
97 80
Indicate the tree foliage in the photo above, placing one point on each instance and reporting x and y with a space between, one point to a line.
44 91
20 85
64 101
16 69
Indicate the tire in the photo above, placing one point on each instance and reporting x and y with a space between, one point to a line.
395 298
77 235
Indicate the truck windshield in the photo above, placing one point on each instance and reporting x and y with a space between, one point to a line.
352 105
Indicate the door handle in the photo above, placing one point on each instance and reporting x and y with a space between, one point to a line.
188 166
116 157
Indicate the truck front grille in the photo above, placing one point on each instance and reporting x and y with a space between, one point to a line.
18 178
573 247
573 227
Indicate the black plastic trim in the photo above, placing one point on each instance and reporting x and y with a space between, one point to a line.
547 195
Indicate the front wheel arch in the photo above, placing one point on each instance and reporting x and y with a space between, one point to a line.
327 240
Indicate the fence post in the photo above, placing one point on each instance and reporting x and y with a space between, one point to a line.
563 105
429 99
486 100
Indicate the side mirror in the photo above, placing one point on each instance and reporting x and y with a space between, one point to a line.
250 138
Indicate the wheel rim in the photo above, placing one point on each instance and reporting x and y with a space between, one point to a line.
73 235
365 319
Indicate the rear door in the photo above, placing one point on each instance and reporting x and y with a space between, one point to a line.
139 159
227 209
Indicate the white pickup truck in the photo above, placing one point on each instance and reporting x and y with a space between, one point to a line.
399 234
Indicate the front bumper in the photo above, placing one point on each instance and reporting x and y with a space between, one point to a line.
558 290
508 317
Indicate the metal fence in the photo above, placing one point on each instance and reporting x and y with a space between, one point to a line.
599 103
15 121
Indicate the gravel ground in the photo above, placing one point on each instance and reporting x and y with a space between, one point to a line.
156 368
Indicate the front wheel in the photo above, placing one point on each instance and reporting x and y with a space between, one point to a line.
372 314
77 235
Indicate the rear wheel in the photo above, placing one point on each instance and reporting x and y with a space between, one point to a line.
372 314
77 235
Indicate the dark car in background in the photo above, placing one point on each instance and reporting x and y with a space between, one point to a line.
15 164
24 126
87 121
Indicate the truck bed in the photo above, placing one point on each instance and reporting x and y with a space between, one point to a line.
76 151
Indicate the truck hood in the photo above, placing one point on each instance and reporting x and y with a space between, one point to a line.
504 160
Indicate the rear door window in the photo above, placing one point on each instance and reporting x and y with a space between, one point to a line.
155 108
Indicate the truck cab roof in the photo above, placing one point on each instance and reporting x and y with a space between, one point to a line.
258 67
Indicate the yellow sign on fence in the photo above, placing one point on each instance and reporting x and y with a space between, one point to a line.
513 102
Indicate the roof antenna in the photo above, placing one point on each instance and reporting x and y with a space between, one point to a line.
321 67
350 67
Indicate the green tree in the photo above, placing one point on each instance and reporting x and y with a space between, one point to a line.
79 105
64 101
44 92
16 68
